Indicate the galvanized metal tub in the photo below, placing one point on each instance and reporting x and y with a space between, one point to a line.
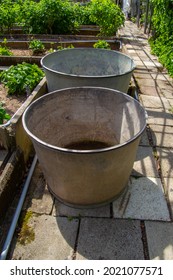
86 140
88 67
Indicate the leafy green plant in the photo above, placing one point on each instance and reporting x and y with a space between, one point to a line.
63 47
133 19
36 46
21 78
102 44
82 13
4 50
9 11
3 114
48 16
162 38
107 15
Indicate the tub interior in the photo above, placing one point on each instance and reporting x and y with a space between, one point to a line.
89 62
85 118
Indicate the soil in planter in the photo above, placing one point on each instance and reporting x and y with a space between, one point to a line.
87 145
11 103
19 52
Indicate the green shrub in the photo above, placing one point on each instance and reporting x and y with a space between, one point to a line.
83 13
107 15
4 50
21 78
9 11
101 44
60 16
36 46
48 16
162 40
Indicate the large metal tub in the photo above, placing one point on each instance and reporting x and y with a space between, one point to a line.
86 141
88 67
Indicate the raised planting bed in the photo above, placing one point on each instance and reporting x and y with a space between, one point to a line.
77 43
19 45
18 58
12 133
16 148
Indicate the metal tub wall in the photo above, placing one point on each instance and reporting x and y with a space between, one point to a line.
88 67
62 119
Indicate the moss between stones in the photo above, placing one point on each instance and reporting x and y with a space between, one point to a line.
26 234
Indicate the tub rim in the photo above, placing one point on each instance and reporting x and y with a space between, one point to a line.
86 76
74 151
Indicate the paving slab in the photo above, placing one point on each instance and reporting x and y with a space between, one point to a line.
142 75
167 92
144 139
62 210
160 240
109 239
136 58
169 78
139 63
54 239
149 82
149 63
169 187
145 164
143 199
38 199
166 161
142 54
159 117
149 91
171 106
162 135
132 52
154 102
158 77
163 84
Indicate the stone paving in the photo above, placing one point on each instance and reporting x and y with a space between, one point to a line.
139 224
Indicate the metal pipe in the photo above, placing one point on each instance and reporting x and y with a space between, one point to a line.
9 122
17 212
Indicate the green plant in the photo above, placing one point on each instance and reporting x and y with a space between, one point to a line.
9 11
3 114
4 50
107 15
102 44
36 46
82 13
162 38
21 78
48 16
63 47
133 19
26 234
